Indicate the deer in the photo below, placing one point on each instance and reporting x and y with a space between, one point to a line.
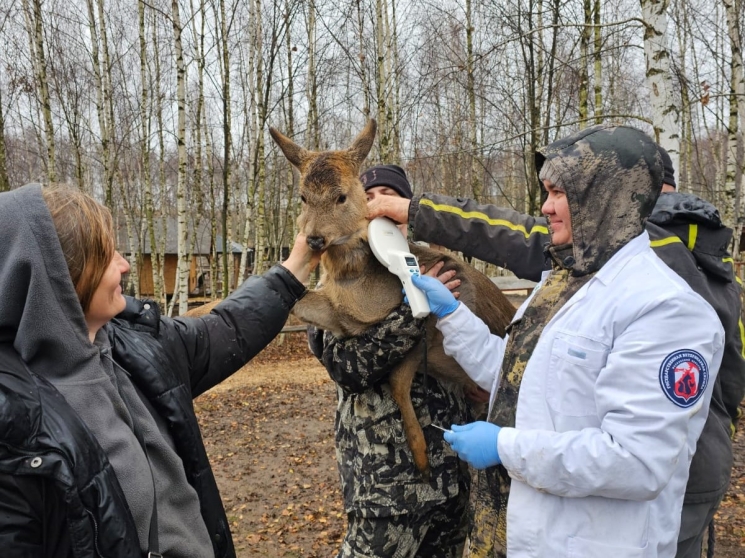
357 291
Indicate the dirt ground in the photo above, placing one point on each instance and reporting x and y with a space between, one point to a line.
269 433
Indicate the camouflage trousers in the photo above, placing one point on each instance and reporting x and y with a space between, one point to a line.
437 532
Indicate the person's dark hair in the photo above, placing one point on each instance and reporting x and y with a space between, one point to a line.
86 233
392 176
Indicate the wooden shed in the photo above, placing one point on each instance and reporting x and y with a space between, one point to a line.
200 239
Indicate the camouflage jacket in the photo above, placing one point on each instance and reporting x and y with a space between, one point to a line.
377 471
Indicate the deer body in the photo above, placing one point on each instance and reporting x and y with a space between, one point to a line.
358 291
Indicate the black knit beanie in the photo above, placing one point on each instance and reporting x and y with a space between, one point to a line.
668 174
392 176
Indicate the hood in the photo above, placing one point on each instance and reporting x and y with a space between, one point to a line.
612 177
40 313
698 225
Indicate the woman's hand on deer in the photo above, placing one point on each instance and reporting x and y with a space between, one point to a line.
302 259
392 207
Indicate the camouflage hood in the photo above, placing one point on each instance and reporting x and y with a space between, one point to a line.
612 177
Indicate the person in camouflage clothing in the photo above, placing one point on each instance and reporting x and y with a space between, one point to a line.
391 510
687 233
602 386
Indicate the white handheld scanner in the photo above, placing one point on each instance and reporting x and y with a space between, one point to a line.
391 249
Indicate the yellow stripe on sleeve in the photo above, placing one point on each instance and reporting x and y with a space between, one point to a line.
483 217
692 234
665 241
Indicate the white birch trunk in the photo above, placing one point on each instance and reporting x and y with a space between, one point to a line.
735 168
665 110
181 202
34 27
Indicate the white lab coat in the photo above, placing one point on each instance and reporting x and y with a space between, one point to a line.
599 454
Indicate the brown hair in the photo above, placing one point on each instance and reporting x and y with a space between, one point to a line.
86 233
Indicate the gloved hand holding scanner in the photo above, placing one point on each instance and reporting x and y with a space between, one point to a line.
476 442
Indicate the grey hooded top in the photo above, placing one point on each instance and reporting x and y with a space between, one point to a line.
41 315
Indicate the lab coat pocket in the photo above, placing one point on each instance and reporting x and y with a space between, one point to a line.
573 370
585 548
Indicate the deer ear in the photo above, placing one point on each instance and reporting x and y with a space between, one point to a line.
294 153
363 142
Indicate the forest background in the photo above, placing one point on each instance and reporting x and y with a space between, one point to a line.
161 109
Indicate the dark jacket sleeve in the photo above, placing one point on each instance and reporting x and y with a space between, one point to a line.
357 363
220 343
494 234
32 523
733 376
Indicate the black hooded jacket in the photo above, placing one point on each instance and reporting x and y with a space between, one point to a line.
59 494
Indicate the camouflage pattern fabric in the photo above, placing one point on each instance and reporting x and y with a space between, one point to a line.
378 476
439 533
612 177
492 485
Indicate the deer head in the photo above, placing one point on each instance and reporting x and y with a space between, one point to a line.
334 201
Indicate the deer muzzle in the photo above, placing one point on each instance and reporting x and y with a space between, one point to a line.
316 242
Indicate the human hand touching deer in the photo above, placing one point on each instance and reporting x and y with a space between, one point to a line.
397 208
393 207
302 259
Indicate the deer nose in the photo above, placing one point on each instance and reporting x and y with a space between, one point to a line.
315 242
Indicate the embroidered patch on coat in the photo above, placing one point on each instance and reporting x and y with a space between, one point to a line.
684 376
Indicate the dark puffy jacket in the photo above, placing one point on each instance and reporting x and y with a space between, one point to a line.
57 487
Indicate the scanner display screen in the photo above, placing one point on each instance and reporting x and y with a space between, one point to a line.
410 261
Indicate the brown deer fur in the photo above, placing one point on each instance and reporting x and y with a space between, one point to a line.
358 291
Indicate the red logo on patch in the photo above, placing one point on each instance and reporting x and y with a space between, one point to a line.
684 376
686 380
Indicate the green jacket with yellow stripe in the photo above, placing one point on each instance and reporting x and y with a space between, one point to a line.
685 232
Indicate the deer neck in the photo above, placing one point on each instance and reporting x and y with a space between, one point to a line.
348 261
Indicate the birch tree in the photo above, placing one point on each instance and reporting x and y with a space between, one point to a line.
665 110
4 182
182 282
145 129
736 127
32 11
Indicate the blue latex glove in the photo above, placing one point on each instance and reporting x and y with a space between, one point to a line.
475 443
441 300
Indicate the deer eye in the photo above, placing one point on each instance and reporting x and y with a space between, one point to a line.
341 199
302 199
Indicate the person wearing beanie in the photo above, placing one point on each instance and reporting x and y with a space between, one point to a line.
687 234
385 180
391 510
668 172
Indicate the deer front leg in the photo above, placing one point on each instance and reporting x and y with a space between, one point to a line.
400 380
316 309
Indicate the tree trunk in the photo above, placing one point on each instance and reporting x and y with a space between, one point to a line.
665 110
4 182
227 136
584 75
181 201
383 132
735 167
597 56
145 156
33 15
476 186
